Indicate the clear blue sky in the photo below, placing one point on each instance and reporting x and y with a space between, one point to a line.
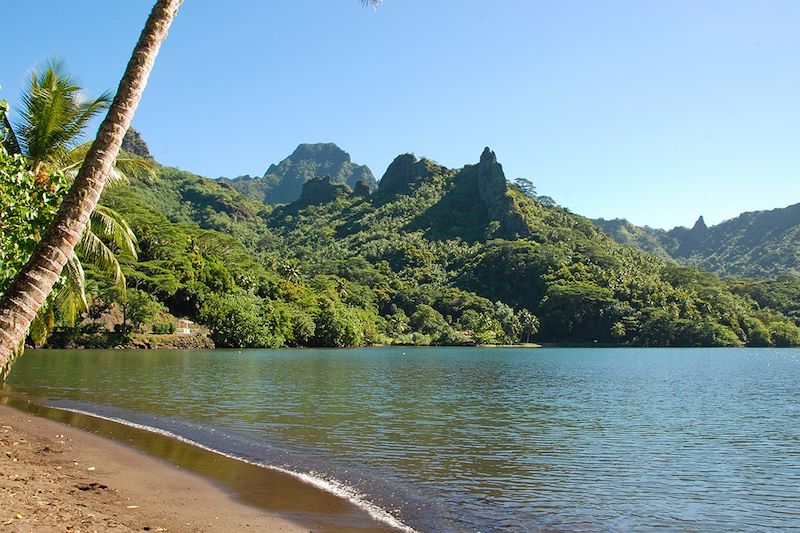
657 111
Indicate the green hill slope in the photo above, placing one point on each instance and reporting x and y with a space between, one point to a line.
434 255
759 244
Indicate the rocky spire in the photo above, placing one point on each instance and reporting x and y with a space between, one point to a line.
700 226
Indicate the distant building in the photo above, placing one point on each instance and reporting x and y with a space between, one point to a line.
184 327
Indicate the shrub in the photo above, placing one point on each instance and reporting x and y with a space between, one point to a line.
164 328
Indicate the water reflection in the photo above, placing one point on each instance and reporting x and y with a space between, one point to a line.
495 440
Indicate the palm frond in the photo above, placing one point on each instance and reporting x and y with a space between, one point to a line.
126 166
70 301
54 113
42 325
70 163
93 251
107 224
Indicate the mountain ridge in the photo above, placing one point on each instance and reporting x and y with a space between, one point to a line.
434 256
758 244
282 183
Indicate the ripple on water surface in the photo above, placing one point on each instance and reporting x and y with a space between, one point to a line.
482 439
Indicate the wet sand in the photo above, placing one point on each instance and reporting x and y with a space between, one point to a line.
54 477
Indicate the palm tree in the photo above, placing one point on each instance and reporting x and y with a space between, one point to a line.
291 272
33 284
53 118
54 115
68 299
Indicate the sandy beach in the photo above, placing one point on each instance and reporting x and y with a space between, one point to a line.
56 478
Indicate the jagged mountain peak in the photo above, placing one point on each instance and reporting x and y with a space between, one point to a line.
405 173
133 143
328 151
282 183
488 157
700 225
755 244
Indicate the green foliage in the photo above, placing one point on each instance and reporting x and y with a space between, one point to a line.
243 320
139 308
28 206
760 244
164 328
54 114
423 263
781 294
338 325
784 333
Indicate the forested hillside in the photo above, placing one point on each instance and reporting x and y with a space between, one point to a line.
759 244
434 255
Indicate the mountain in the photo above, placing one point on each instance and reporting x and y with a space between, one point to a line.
433 256
283 183
455 240
758 244
133 143
657 242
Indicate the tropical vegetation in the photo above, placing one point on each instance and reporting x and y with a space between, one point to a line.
758 244
53 118
434 256
33 284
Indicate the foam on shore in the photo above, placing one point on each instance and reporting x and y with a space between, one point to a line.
315 479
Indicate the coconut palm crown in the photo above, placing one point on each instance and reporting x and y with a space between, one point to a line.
33 284
54 115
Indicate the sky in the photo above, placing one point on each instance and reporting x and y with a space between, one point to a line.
656 111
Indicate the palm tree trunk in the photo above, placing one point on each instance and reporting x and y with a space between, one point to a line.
35 281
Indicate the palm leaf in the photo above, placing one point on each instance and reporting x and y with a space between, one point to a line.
42 325
93 251
109 225
54 114
70 301
126 166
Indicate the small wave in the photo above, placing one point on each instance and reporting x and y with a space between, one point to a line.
315 479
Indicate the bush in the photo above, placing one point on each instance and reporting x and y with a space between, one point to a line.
784 334
243 320
164 328
140 308
338 326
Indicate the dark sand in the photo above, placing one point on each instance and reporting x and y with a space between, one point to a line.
54 477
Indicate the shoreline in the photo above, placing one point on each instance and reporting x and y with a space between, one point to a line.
96 475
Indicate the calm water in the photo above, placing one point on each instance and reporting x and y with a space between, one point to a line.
451 439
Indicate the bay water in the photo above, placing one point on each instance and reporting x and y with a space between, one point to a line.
476 439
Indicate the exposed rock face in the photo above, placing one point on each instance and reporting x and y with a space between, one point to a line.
361 189
492 184
405 173
700 226
134 144
493 190
283 183
693 239
317 191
